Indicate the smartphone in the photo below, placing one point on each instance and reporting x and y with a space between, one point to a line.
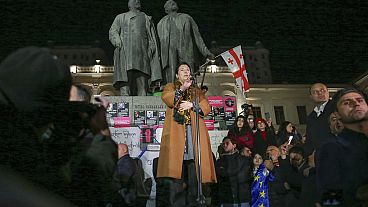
290 139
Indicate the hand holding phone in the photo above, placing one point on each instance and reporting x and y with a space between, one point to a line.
290 139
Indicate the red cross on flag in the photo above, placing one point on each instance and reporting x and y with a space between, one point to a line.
235 61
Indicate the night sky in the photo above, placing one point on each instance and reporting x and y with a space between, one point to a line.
309 40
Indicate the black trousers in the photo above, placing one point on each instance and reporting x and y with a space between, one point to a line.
178 192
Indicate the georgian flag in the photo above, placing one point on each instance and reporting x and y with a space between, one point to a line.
235 61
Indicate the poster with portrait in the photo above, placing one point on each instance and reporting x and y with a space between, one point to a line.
229 103
217 105
230 110
230 119
151 117
123 109
161 118
139 117
218 114
112 110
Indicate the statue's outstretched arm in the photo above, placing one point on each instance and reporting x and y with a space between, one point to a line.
198 39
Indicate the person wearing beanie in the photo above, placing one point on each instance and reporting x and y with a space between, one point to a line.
40 130
34 92
32 80
263 138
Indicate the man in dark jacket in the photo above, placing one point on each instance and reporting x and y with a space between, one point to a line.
95 153
41 130
34 92
123 177
233 176
342 164
318 131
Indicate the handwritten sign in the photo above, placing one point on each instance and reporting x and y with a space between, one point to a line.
216 139
129 136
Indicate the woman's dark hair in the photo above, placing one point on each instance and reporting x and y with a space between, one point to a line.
282 134
252 158
244 130
180 64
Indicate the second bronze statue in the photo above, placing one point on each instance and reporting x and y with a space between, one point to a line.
137 56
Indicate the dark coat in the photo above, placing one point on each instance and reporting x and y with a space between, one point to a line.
318 129
91 170
342 165
233 175
260 146
136 34
180 42
245 140
294 177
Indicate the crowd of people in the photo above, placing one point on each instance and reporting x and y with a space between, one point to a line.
261 166
324 167
57 147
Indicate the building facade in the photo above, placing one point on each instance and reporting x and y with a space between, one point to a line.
281 102
80 55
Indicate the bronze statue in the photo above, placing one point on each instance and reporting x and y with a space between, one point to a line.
180 41
136 55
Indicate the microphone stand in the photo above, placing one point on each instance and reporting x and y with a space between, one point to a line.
200 199
205 69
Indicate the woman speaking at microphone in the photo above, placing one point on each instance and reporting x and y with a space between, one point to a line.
178 151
